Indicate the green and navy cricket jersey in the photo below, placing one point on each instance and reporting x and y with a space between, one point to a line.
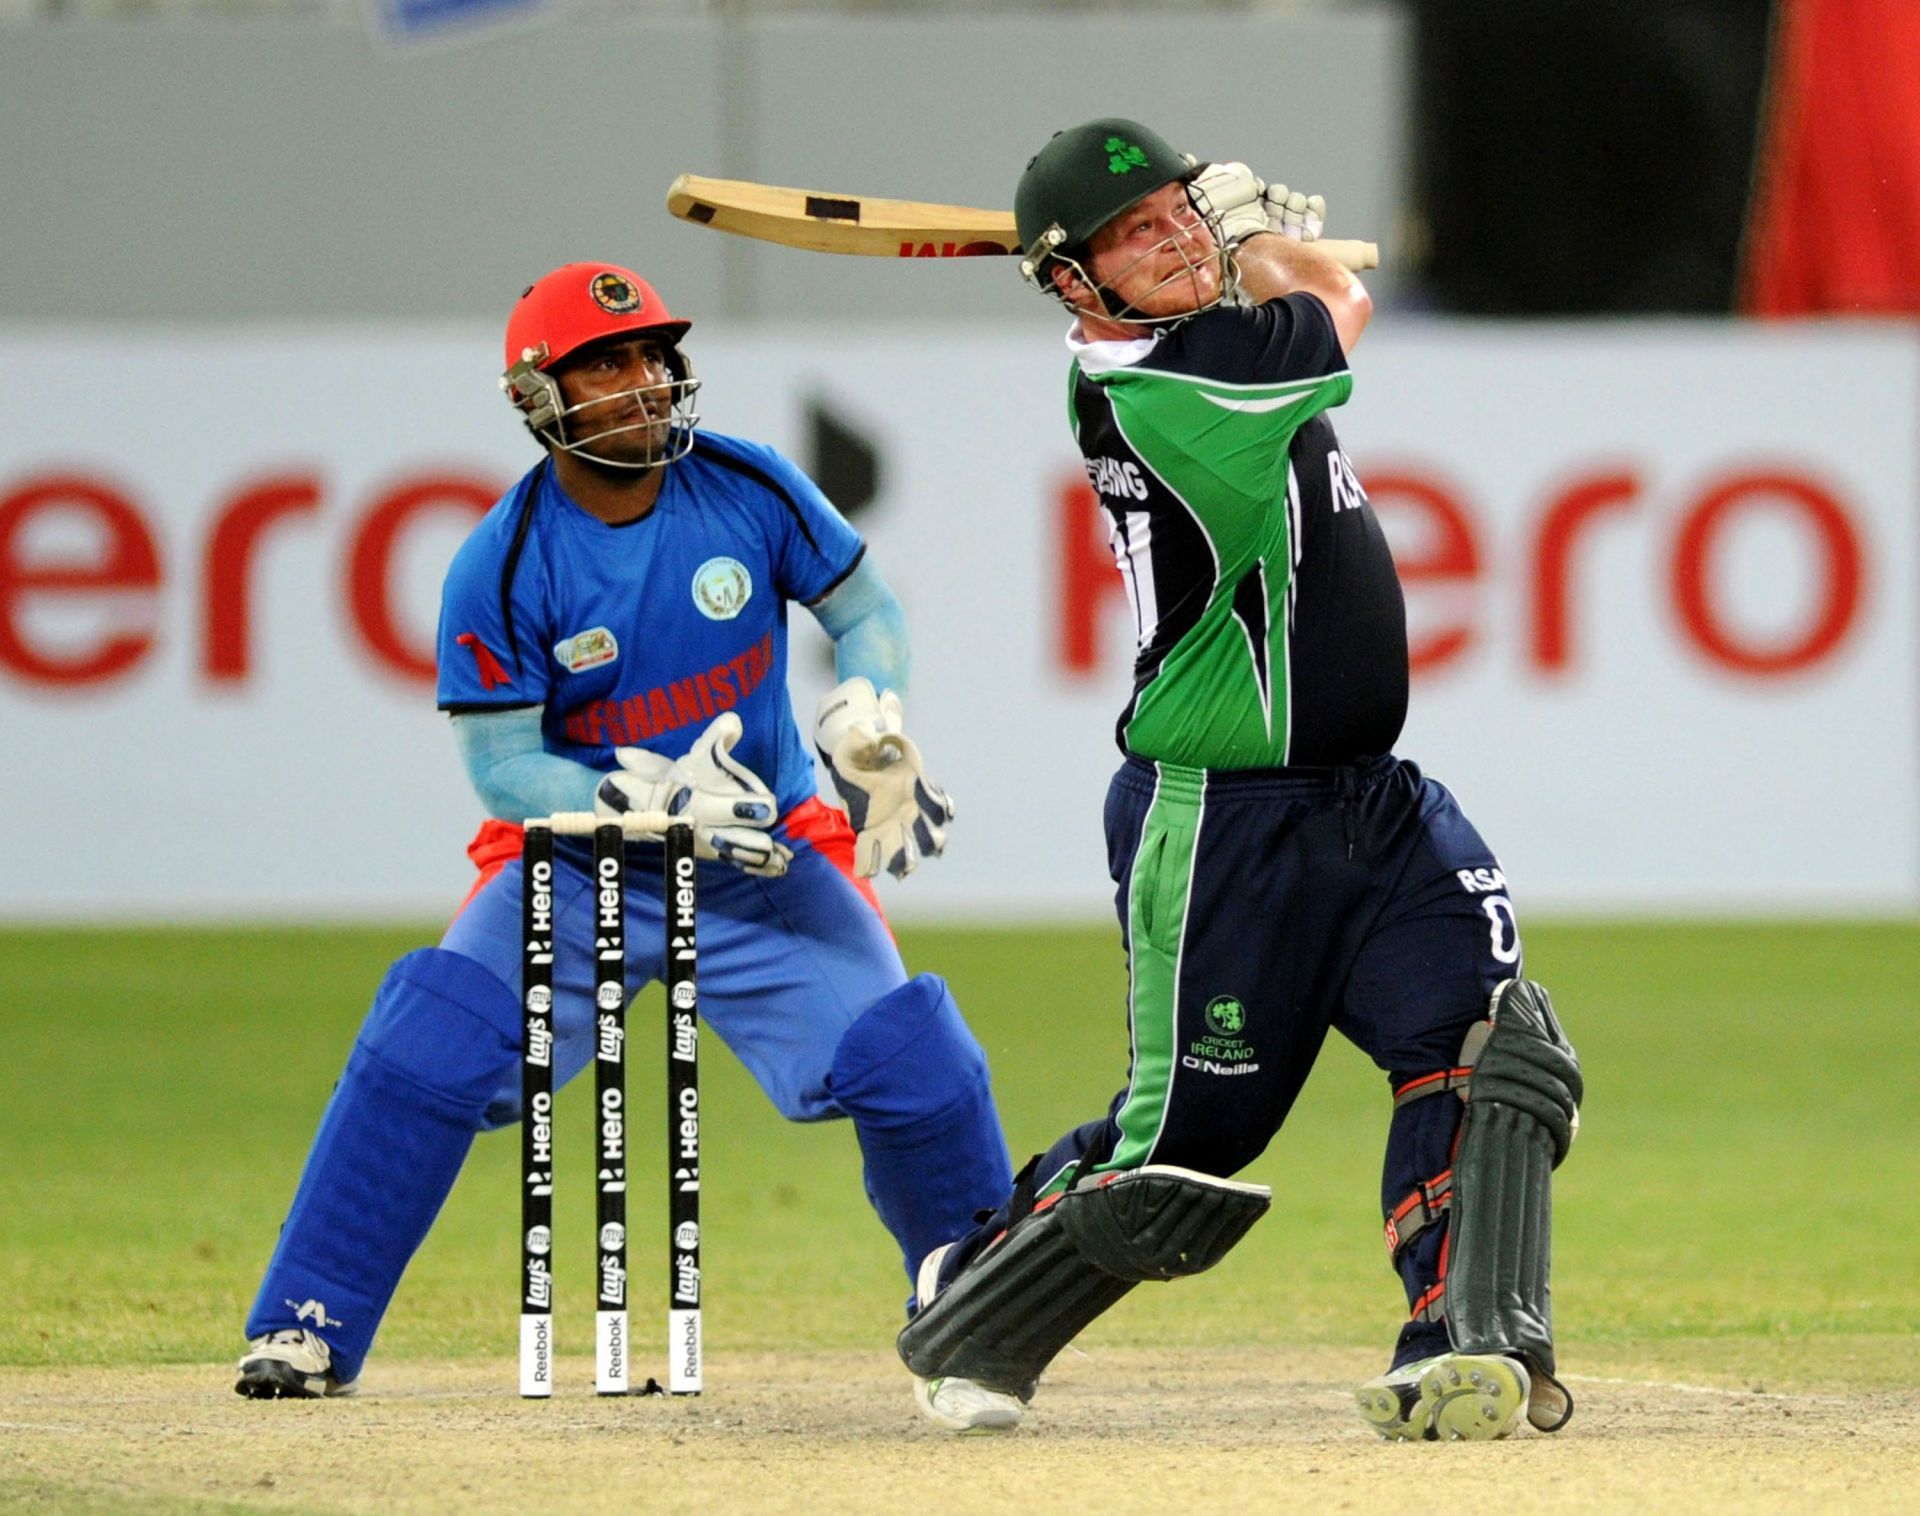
1270 627
638 635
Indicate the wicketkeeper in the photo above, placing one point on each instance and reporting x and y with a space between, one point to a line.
1279 870
613 637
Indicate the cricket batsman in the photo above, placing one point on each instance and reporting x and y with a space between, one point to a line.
1279 871
613 637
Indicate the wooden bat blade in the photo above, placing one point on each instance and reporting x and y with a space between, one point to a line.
823 222
820 221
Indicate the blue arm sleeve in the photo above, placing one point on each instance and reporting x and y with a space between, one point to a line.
868 628
513 773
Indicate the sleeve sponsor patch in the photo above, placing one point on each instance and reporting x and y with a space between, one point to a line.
586 650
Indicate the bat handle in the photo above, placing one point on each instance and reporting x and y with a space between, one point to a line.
1358 256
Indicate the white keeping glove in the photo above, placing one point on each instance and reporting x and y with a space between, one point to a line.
898 814
729 807
1228 196
1293 215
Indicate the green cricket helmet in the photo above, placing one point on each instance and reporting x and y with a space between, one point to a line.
1082 179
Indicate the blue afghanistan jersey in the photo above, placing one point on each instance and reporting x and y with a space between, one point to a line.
638 635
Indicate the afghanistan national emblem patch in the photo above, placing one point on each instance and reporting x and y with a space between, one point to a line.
615 293
721 588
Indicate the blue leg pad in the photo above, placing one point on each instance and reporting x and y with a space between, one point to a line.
914 1080
442 1037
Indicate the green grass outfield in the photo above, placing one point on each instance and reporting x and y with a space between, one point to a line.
1741 1203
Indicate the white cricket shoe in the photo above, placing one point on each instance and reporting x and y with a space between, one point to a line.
288 1365
955 1404
1392 1406
1475 1397
960 1405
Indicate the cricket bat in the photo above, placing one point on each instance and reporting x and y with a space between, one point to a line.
872 227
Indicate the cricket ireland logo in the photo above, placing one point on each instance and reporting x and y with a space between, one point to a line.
1226 1016
1221 1049
1123 157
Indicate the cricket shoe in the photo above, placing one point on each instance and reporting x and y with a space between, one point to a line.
960 1405
1474 1397
1392 1404
289 1365
949 1402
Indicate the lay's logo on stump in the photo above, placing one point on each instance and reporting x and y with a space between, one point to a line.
587 650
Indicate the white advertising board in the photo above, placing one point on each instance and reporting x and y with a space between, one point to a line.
1661 582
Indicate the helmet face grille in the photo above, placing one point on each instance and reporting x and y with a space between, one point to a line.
668 436
1224 280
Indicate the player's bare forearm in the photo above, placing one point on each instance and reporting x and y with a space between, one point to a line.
1272 266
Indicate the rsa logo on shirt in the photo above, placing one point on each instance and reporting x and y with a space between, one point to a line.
587 650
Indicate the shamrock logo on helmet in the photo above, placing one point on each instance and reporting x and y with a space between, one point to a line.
1123 157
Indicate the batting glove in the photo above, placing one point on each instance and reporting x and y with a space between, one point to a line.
730 809
899 815
1293 215
1228 197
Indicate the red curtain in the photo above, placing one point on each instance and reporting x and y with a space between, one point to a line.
1835 224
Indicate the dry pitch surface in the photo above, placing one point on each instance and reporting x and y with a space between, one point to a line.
1126 1431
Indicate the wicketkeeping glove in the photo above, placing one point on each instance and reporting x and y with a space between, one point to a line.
899 815
725 800
1228 195
1292 214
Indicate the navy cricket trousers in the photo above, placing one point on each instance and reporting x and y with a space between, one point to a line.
1261 908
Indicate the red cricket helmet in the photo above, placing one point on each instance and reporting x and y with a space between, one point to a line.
580 303
564 311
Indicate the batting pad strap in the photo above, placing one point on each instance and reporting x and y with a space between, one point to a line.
1431 1084
1424 1205
1010 1311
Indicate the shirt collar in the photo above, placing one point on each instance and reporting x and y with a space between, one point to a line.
1106 354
